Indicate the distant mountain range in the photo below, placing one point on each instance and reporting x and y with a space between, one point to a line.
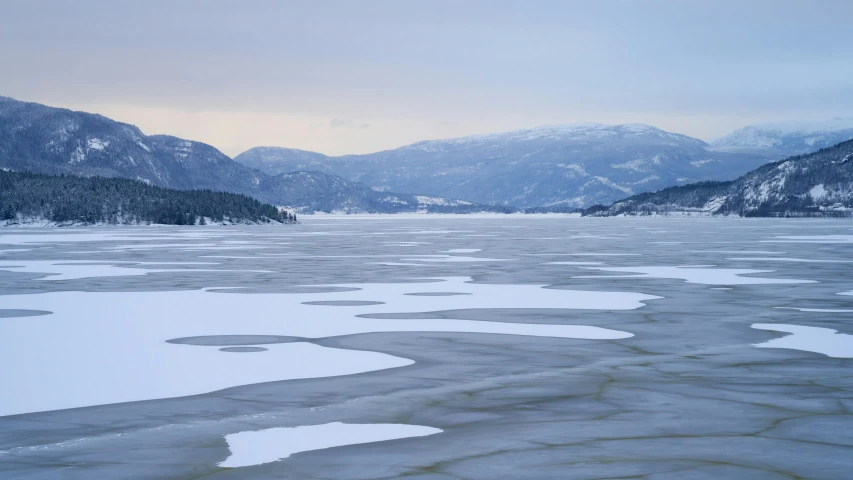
785 139
573 166
816 184
54 141
556 168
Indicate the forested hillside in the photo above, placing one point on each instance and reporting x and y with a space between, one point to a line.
817 184
29 197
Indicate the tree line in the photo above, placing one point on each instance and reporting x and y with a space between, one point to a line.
69 199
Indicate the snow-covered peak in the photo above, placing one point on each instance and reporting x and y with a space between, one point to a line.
577 132
790 137
806 127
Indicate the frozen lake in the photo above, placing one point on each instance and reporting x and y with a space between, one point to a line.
432 347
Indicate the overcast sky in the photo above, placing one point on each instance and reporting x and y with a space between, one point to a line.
361 76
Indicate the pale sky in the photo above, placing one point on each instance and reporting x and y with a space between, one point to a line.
360 76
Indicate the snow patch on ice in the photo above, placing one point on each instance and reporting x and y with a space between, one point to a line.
269 445
787 259
700 275
54 270
109 347
810 339
811 239
455 259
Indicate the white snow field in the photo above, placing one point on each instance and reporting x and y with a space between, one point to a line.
108 347
264 446
79 269
810 339
697 274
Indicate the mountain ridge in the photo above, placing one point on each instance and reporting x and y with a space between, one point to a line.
53 141
572 165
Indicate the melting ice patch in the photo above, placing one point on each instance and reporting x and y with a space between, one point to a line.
700 275
109 347
265 446
810 339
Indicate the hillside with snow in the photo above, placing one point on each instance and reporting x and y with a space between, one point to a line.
553 166
787 138
816 184
54 141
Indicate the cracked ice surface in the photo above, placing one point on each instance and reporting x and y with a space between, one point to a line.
687 396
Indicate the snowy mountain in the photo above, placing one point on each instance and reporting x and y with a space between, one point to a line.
787 138
268 160
817 184
41 139
309 192
555 166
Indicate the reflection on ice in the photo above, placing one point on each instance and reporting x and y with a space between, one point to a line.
810 339
264 446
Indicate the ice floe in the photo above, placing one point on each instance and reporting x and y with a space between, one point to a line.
700 275
109 347
810 339
272 444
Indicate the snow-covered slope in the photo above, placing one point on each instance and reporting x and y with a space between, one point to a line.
787 138
556 166
820 183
